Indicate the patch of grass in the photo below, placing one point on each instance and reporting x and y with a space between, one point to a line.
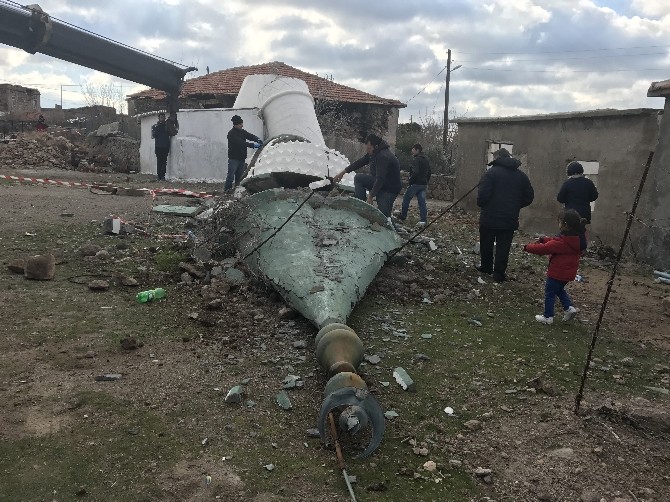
114 455
167 260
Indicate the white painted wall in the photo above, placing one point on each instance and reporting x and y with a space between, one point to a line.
200 151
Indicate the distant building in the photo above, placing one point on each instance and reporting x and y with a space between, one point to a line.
612 145
345 114
16 101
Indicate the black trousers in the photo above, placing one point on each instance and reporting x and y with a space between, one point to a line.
161 161
503 242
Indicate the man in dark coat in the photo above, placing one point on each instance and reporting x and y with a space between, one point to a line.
383 183
419 176
503 191
577 191
237 151
161 134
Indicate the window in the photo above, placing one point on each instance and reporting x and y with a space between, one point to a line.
494 146
591 172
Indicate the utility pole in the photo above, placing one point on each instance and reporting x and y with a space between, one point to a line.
446 102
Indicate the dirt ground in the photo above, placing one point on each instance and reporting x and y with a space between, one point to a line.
163 431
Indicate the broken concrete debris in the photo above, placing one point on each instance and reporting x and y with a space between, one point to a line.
404 380
234 394
283 400
17 266
188 211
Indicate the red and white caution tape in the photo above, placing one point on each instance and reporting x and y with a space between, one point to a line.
46 181
75 184
179 191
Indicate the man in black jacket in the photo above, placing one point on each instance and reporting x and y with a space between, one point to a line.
419 176
503 191
383 183
161 134
577 191
237 151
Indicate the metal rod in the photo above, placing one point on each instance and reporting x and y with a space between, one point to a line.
434 220
339 456
610 283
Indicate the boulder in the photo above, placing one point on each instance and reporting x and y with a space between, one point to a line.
40 268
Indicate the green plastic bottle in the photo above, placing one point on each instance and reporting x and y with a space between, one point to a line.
150 294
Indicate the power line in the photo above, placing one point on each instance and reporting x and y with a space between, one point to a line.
575 50
575 58
520 70
424 87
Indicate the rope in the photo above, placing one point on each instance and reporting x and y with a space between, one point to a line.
280 227
433 221
610 283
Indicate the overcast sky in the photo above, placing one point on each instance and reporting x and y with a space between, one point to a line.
517 56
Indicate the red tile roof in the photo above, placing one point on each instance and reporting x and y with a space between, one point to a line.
228 82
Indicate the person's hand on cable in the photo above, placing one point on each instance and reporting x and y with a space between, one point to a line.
338 177
369 199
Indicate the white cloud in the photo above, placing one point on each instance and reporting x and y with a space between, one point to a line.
518 56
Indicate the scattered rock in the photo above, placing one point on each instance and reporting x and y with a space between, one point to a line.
235 276
215 304
421 357
377 487
201 254
109 377
130 343
404 380
283 401
89 249
193 270
102 255
473 425
98 285
270 467
300 344
235 394
313 433
90 354
480 472
420 450
562 453
373 359
287 313
17 266
666 305
430 466
40 268
390 415
186 278
128 281
455 463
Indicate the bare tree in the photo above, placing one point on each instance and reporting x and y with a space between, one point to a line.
104 95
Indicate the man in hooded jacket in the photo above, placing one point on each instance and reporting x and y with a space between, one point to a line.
419 176
383 183
503 191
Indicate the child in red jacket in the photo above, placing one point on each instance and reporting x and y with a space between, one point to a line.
564 252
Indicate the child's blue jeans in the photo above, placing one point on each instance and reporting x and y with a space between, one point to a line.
552 289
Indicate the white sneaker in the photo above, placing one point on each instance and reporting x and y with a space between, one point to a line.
421 224
544 320
570 313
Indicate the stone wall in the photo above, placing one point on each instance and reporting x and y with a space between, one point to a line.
16 100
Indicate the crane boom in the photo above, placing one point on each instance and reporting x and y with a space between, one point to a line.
31 29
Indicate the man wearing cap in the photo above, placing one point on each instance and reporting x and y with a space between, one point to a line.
237 151
503 191
383 183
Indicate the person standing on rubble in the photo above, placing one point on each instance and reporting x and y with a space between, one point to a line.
237 151
503 191
383 183
419 175
161 134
